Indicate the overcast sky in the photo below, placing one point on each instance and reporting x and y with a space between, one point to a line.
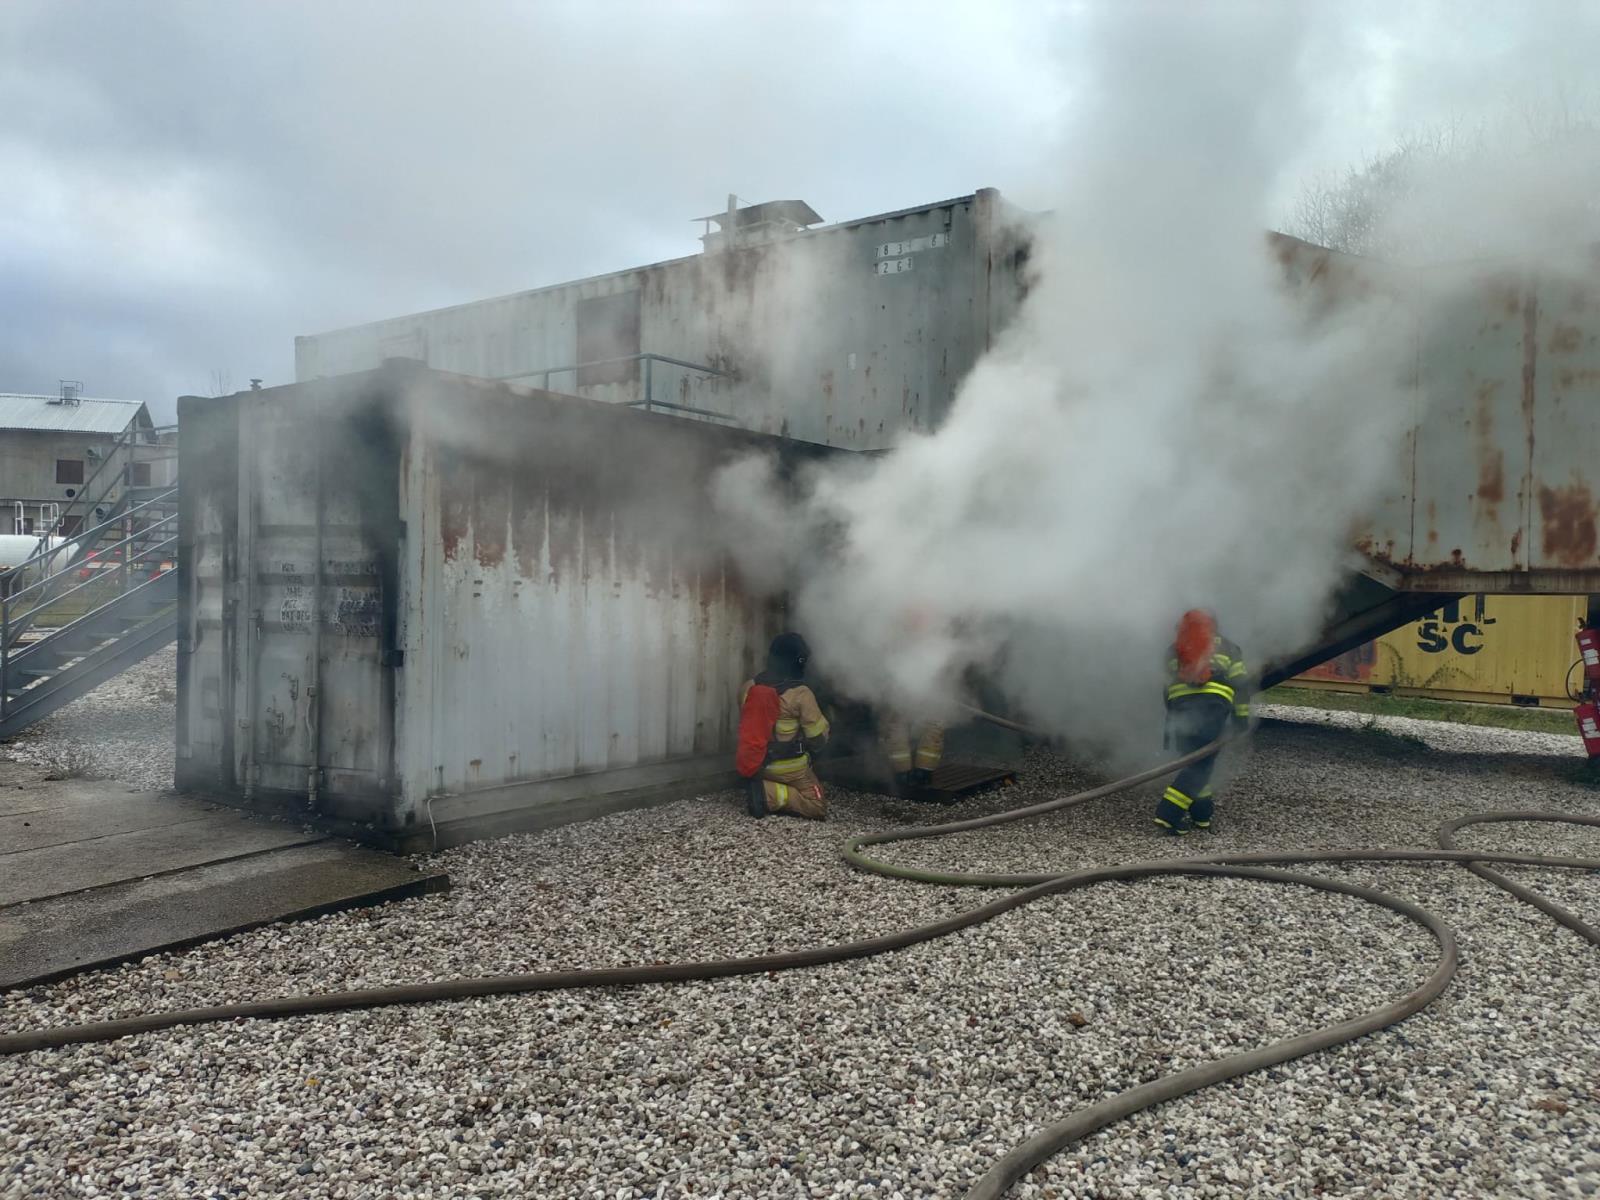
187 186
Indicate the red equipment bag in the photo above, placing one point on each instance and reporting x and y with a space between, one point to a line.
1589 650
1587 715
757 719
1197 637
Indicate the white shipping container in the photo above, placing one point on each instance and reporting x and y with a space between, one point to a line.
415 603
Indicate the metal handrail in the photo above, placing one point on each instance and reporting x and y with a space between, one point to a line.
82 541
8 654
132 537
82 538
649 360
10 660
13 626
128 438
88 583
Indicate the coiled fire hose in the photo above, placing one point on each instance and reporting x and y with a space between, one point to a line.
1055 1137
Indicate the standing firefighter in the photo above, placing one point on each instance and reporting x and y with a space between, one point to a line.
914 751
1207 693
778 721
914 748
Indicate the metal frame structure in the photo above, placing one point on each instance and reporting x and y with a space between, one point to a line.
648 403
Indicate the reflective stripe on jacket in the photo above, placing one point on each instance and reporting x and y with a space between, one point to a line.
1229 682
800 720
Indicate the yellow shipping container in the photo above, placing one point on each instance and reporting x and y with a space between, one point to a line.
1489 649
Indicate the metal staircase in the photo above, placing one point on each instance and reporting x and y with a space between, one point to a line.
75 615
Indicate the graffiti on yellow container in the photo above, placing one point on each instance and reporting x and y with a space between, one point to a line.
1447 630
1480 647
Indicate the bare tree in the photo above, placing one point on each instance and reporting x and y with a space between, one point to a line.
221 381
1455 191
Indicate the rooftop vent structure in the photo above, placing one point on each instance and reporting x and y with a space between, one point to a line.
756 222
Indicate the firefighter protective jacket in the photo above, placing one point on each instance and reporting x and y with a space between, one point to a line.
1229 683
797 721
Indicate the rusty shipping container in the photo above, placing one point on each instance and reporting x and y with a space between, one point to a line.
845 335
1494 485
1484 649
413 602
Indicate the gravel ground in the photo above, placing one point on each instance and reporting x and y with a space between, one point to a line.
122 730
905 1075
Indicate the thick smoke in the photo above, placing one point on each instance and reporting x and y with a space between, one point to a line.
1167 424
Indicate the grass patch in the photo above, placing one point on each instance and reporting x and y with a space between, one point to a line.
1541 720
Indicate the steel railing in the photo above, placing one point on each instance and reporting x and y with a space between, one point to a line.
45 592
87 499
648 402
16 661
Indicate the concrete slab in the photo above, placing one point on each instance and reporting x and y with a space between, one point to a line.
95 862
92 874
25 789
76 820
62 935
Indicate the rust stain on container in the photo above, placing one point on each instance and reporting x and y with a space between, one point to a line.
527 526
1369 547
1567 516
1569 377
1491 459
455 505
1530 354
1492 477
491 515
1433 522
1566 339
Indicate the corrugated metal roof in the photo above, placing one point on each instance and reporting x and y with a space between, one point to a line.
20 411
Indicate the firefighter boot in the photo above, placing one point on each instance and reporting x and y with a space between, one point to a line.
1200 810
1172 813
756 798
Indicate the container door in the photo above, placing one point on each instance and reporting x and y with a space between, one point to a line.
207 627
317 691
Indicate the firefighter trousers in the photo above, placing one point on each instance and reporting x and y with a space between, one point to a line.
794 792
904 754
1192 722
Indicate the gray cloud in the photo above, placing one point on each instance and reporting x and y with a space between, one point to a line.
189 185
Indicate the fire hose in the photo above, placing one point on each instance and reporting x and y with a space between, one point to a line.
1264 867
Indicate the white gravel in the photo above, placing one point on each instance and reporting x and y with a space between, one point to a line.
905 1075
122 730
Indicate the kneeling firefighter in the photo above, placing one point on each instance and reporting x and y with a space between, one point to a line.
1208 693
779 720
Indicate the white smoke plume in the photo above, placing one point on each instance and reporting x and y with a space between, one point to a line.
1166 424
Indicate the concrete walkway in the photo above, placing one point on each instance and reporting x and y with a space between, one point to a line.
92 874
